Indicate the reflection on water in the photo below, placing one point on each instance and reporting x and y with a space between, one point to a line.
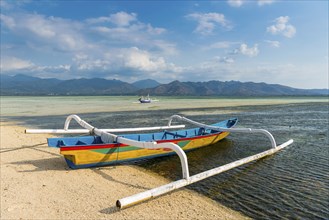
293 184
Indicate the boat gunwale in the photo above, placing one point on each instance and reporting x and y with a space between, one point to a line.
115 145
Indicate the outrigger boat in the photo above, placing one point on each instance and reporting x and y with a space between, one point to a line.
102 147
146 99
94 151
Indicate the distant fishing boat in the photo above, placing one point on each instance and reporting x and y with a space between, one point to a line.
146 99
101 147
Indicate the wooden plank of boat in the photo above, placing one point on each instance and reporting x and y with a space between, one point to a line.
86 131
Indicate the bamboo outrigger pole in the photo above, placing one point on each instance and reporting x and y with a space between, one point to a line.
83 124
137 198
86 131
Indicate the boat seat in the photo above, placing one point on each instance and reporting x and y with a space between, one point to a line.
157 136
174 135
97 140
80 143
191 133
60 143
231 122
201 131
145 137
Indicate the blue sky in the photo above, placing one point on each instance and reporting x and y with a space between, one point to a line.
281 42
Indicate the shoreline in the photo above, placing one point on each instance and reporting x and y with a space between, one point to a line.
37 184
43 106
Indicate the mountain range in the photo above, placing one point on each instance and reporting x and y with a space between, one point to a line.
27 85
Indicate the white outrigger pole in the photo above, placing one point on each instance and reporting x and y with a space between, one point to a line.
187 179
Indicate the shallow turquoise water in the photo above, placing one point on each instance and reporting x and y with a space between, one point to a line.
64 105
293 184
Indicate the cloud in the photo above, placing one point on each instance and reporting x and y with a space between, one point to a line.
154 31
166 47
73 36
128 62
247 51
207 22
239 3
137 59
121 63
103 46
235 3
211 65
14 65
121 19
9 64
55 69
89 63
275 44
217 68
58 33
282 27
227 60
129 31
122 22
265 2
140 35
9 4
7 21
4 5
221 45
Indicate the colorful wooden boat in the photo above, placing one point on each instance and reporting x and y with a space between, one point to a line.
103 147
91 151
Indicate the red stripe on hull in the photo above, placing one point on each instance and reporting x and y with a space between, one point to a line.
101 146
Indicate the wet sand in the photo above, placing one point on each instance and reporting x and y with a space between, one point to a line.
37 184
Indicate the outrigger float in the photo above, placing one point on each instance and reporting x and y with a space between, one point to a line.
101 147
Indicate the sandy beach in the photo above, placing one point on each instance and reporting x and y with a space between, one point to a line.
37 184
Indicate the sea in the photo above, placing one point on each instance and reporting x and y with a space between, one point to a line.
292 184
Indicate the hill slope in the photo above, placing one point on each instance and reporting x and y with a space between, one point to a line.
146 83
231 88
27 85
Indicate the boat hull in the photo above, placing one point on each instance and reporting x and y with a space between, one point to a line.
145 101
106 154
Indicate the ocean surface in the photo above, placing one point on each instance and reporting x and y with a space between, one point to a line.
292 184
